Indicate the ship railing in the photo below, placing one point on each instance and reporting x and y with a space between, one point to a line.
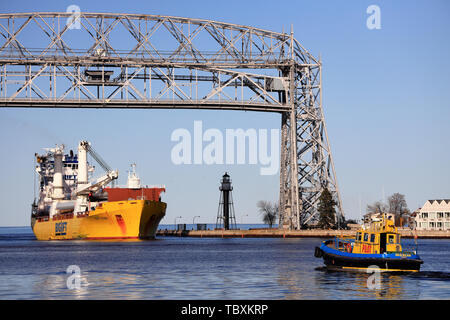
147 186
156 186
63 216
409 248
81 215
344 245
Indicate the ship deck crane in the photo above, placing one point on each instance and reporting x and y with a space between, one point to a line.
85 188
98 184
97 158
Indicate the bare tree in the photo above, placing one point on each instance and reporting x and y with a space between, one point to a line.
268 211
376 207
398 206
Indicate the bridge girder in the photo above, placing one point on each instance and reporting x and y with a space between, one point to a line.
100 60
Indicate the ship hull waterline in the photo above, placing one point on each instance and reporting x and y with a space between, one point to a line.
131 219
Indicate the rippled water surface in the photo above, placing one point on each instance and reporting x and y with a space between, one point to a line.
201 268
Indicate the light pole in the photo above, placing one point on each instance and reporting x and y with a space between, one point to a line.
242 218
193 219
176 222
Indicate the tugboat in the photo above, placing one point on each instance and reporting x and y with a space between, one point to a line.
377 246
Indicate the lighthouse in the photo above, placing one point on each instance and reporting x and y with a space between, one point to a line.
225 214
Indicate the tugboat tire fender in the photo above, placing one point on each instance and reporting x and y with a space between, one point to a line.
318 253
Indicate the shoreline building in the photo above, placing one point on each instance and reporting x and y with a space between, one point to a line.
434 215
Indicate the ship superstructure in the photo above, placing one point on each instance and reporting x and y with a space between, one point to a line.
64 181
68 191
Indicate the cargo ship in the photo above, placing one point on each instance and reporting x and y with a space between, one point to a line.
72 205
377 246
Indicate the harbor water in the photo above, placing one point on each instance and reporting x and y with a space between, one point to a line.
201 268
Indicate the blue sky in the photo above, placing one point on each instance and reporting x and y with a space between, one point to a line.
386 100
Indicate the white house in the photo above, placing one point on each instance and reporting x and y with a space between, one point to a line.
434 215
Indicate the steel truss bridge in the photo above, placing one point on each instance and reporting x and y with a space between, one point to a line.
100 60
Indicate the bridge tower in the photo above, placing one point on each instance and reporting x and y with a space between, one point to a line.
306 163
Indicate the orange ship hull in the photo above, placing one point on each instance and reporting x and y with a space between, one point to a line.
130 219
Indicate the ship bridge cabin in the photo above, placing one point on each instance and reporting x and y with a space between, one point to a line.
380 237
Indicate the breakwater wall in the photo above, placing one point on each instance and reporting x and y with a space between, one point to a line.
279 233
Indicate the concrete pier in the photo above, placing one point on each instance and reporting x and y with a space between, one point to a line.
277 233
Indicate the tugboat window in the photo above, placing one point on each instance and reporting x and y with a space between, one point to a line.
372 238
391 238
366 237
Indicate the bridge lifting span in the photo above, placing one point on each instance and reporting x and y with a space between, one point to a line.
101 60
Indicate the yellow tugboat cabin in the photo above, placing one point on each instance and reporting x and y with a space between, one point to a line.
382 236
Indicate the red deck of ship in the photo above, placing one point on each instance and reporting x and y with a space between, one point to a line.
121 194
